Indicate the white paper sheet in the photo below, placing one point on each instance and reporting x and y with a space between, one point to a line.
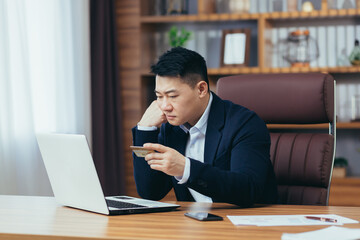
287 220
329 233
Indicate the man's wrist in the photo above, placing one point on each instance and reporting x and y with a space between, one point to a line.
184 178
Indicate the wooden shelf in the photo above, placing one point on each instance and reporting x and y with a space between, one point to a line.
331 13
244 70
219 71
214 17
233 70
350 69
339 125
254 70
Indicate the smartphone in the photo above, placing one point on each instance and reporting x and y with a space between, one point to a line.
203 216
140 151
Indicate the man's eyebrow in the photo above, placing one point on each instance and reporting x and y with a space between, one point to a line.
167 92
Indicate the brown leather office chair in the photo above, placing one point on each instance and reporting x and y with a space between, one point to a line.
302 162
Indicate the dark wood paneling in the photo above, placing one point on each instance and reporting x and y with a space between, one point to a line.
129 48
128 39
127 12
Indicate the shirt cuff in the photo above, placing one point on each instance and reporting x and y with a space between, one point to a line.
144 128
183 179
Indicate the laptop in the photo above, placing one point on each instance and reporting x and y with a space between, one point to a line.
75 182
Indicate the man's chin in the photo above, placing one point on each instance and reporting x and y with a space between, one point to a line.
175 123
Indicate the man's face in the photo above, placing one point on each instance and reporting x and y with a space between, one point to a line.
178 101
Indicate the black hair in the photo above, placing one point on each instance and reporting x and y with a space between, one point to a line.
184 63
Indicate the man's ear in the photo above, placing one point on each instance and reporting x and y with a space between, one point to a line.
203 88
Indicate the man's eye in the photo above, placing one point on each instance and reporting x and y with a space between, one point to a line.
159 97
173 96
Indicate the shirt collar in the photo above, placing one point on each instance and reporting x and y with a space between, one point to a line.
202 123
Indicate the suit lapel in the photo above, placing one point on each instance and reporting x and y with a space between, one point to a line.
178 139
214 129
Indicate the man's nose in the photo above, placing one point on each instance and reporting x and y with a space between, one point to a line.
165 106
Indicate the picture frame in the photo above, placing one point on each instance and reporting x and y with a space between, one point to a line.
235 49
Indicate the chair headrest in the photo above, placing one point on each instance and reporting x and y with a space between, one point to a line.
293 98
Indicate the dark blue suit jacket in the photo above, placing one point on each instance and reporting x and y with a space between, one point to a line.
236 169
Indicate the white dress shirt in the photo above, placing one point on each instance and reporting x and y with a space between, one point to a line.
195 148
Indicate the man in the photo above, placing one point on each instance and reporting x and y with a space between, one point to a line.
207 149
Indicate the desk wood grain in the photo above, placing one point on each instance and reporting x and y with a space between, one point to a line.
23 217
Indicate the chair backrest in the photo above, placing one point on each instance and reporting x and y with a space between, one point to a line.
302 162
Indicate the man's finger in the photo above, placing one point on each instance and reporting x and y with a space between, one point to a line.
156 147
156 167
155 162
152 156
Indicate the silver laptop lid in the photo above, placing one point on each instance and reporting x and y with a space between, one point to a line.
72 172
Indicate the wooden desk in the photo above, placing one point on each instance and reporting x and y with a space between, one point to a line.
41 218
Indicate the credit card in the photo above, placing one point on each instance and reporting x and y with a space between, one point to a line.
141 151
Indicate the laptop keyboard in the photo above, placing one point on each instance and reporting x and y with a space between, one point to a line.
118 204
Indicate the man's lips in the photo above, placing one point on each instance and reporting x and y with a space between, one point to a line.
170 117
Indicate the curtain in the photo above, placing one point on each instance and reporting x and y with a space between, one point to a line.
44 84
106 104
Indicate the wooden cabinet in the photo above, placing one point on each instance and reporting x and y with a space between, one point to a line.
138 31
345 192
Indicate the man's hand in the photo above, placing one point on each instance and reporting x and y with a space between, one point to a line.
165 159
153 116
